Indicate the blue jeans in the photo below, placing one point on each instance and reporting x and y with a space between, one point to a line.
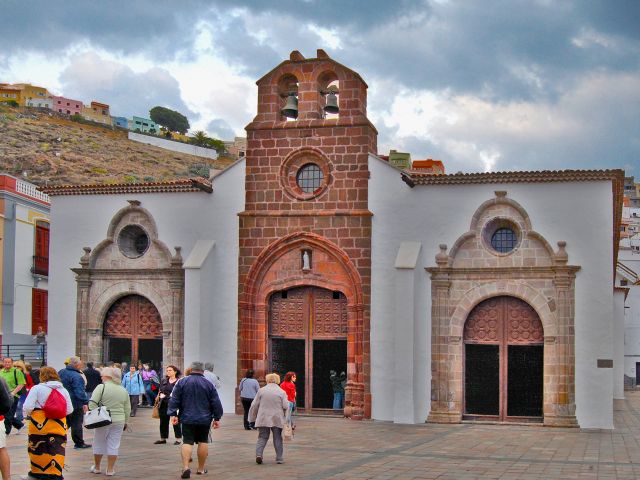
289 416
338 400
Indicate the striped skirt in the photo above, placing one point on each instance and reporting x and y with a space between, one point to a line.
47 441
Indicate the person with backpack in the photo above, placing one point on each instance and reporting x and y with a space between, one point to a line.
48 405
16 382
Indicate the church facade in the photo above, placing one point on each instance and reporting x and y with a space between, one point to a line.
441 297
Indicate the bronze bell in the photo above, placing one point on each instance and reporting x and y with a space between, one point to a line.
290 109
331 103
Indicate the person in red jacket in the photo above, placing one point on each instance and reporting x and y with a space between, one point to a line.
289 386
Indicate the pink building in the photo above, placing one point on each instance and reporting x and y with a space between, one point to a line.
67 105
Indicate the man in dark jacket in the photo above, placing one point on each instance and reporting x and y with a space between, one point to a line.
195 401
93 378
72 380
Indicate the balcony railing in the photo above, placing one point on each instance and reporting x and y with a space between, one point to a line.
32 353
40 266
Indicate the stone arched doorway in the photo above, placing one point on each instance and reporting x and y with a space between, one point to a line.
308 335
504 358
133 332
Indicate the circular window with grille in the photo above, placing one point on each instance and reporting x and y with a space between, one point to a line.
305 174
133 241
310 178
501 235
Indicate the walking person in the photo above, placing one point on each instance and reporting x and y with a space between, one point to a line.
93 378
268 411
47 425
289 386
16 382
6 398
73 381
25 368
248 388
166 388
212 377
151 383
134 385
106 440
194 402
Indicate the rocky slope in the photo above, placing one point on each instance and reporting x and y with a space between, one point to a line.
50 149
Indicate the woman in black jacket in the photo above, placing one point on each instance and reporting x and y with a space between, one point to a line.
166 387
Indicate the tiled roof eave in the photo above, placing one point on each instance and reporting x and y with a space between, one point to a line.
416 178
178 186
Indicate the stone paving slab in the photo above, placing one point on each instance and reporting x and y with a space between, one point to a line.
331 448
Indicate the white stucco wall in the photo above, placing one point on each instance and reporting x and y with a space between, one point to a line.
174 146
182 219
579 213
631 314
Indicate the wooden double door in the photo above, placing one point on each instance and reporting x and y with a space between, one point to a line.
504 359
308 335
133 332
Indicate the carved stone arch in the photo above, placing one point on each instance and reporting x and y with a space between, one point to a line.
278 267
501 199
136 215
122 289
519 290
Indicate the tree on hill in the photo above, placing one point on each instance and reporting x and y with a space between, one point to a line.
201 139
170 119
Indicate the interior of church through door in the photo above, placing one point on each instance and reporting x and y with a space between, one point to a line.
308 336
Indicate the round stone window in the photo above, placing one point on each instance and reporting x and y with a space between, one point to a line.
310 178
501 235
133 241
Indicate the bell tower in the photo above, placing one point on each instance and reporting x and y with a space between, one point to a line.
306 222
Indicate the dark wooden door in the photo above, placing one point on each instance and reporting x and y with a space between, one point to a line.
504 350
297 317
135 321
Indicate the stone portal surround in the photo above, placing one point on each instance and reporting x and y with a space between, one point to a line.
471 273
106 275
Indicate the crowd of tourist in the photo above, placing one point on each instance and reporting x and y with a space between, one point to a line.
53 403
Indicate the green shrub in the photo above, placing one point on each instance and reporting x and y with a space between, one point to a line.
130 179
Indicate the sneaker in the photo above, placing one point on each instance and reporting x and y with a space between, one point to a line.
80 447
280 461
186 474
93 469
259 460
160 442
177 442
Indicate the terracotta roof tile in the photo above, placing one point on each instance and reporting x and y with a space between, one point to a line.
197 184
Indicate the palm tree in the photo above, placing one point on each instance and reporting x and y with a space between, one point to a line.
200 138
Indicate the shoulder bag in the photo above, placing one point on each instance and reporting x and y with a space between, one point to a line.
98 417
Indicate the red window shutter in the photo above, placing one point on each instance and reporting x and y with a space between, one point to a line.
39 310
41 260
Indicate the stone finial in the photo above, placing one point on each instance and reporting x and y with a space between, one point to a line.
500 193
177 258
296 56
561 255
84 260
442 259
320 53
134 203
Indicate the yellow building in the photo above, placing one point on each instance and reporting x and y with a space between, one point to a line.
34 96
10 93
97 112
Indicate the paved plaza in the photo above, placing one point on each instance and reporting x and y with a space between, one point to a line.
331 448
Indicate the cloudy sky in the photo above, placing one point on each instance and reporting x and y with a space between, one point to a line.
483 85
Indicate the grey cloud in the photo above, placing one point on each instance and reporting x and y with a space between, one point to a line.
90 77
220 129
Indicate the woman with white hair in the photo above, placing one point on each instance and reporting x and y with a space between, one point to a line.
106 440
268 411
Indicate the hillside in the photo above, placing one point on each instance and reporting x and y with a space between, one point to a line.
51 149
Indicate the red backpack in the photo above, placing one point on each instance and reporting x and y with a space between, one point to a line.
55 406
